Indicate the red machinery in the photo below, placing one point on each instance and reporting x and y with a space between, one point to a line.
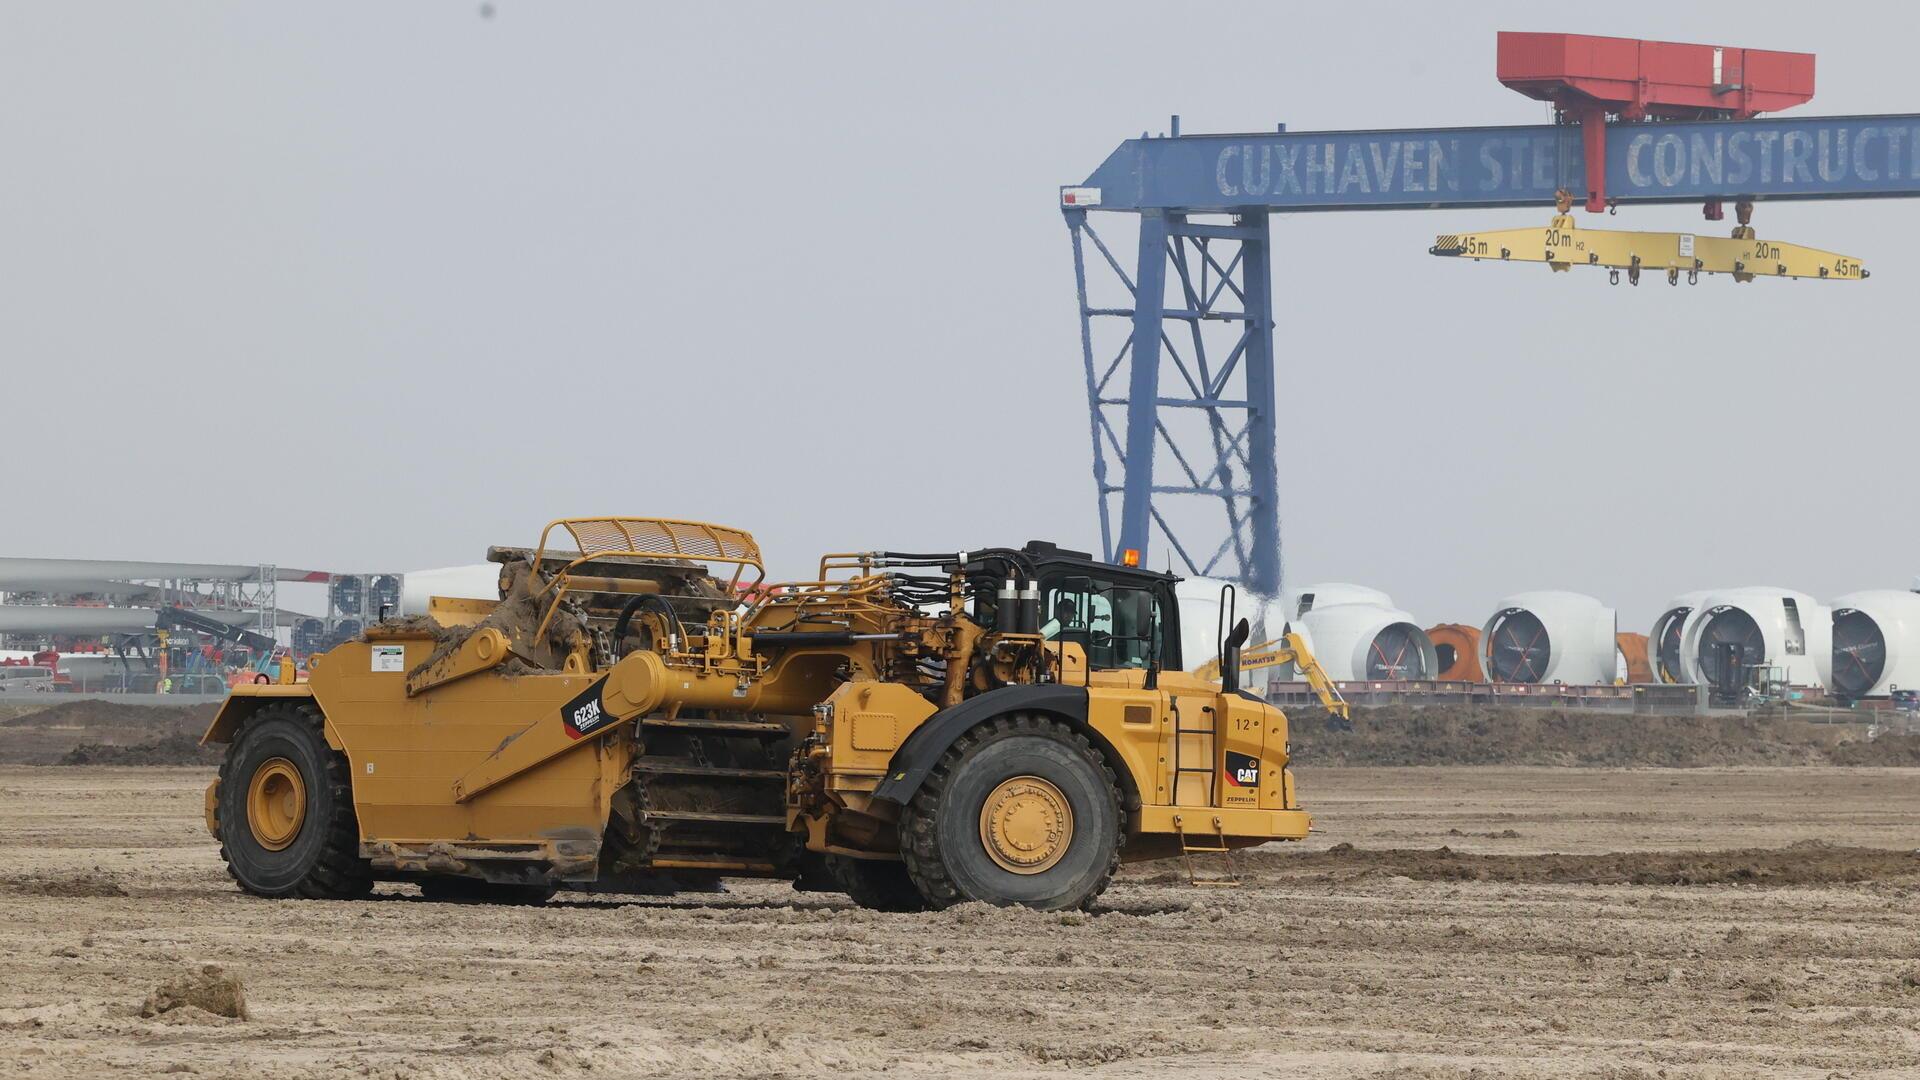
46 658
1589 78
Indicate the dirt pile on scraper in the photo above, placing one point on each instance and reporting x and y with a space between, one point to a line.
517 617
1509 735
523 606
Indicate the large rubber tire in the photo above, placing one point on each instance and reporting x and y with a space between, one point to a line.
322 860
940 827
876 884
465 890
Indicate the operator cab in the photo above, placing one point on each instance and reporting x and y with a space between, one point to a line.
1122 616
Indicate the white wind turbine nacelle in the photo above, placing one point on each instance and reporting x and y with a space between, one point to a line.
1297 602
1201 626
1550 637
1366 641
1355 632
1760 626
1199 600
1663 644
1876 643
1268 616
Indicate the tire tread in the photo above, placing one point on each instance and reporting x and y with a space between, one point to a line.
339 873
919 819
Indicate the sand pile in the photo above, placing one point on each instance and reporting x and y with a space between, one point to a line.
106 732
97 714
1887 750
176 748
210 990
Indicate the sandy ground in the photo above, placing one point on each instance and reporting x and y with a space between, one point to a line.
1377 960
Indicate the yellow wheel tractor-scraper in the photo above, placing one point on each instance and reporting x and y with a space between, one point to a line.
643 712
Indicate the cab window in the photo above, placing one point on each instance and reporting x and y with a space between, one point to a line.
1116 625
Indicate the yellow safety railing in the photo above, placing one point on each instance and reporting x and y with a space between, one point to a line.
645 538
657 538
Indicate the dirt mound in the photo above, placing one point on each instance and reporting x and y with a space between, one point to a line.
1510 735
93 884
209 989
97 731
176 748
92 714
1887 750
1800 864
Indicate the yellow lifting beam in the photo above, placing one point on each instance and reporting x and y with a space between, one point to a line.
1562 245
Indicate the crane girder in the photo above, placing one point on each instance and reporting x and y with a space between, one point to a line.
1809 157
1563 245
1194 196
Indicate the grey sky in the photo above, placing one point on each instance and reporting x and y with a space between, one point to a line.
373 286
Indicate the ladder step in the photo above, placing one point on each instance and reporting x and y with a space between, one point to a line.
1219 847
670 817
721 727
670 768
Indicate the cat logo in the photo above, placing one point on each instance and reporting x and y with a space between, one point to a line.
1243 770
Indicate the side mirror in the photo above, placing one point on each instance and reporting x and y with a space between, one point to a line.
1230 657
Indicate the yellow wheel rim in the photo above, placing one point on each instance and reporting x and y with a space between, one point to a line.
276 803
1026 825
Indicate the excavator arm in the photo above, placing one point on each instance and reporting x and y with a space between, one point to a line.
1288 648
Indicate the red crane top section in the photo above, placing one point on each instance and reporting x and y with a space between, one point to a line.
1587 78
1640 80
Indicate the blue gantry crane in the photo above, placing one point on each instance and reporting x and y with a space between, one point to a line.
1183 398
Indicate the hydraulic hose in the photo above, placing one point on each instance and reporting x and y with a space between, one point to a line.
632 606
